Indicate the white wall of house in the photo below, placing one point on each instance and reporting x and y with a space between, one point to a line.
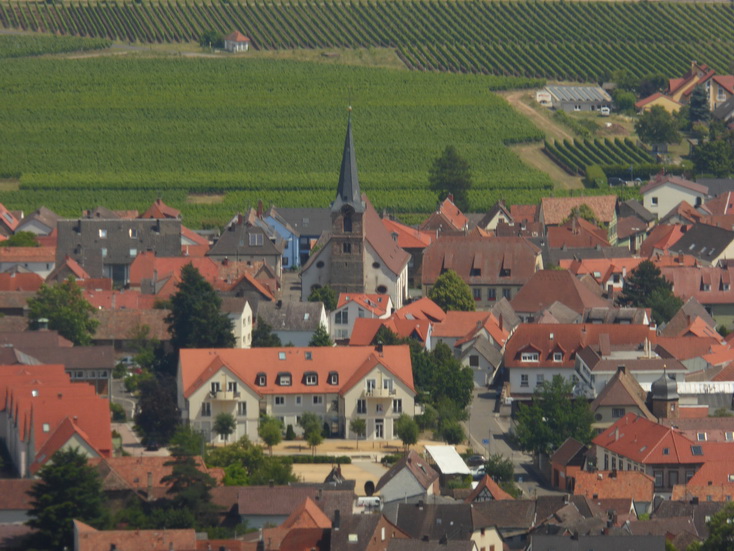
482 370
34 226
341 329
40 268
402 486
396 285
524 380
664 198
242 326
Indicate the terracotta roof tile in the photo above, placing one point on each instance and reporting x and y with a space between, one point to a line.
534 296
421 309
486 483
160 210
365 329
236 36
614 485
28 254
90 539
554 210
409 238
524 213
447 217
307 515
375 303
20 281
576 233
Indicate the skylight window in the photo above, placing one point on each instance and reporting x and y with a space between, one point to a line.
696 450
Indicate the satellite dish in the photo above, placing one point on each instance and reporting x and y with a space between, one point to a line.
369 488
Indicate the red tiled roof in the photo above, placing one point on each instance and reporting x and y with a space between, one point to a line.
28 254
492 487
149 266
649 99
408 238
534 295
686 347
524 213
576 233
448 217
723 204
91 539
624 484
200 244
350 362
662 179
727 81
691 281
726 374
375 303
73 266
554 210
134 470
601 269
459 324
60 438
661 237
568 339
20 281
129 299
160 210
422 309
8 218
307 515
394 258
365 329
14 494
236 36
117 325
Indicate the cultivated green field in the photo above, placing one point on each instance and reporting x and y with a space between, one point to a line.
82 132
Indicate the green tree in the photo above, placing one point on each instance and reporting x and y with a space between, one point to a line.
259 468
144 345
657 126
450 292
624 100
158 417
67 489
195 320
211 39
263 336
21 239
714 157
552 417
66 310
450 175
625 80
224 425
270 431
359 427
187 441
646 287
698 110
407 430
321 337
651 84
721 530
190 488
453 381
312 430
324 294
500 468
452 433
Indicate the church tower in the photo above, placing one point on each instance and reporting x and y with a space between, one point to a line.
347 224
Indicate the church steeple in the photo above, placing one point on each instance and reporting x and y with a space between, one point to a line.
348 193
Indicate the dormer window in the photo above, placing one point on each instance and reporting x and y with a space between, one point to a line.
284 379
133 233
311 379
256 240
333 378
505 272
102 233
261 379
281 355
529 357
307 355
557 356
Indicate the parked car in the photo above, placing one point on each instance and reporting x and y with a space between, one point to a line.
475 460
478 473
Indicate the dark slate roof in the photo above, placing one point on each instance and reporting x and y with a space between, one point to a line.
704 242
683 317
308 222
291 316
422 471
348 192
45 216
436 521
417 545
362 526
717 186
632 207
506 514
78 357
598 543
698 512
235 241
554 256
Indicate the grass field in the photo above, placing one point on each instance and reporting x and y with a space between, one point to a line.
122 131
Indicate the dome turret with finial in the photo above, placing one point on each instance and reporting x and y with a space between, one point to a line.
665 388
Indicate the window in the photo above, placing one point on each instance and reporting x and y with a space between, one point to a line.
284 379
387 384
318 400
341 318
524 380
397 406
506 293
666 451
617 413
333 378
241 409
654 201
696 450
298 400
102 233
360 313
206 409
104 252
378 408
371 385
529 357
256 239
473 360
231 386
307 355
281 355
215 387
133 233
477 293
261 379
729 436
361 406
658 478
701 436
346 248
614 463
347 223
606 462
311 379
280 400
539 379
475 272
133 252
491 294
557 356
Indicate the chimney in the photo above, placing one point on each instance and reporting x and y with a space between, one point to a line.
379 347
451 197
616 434
337 520
621 368
271 483
260 545
150 486
260 208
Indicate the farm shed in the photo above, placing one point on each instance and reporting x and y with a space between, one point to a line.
236 42
574 98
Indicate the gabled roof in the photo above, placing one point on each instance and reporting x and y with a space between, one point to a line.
70 265
351 363
554 210
91 539
661 237
28 254
704 242
676 181
422 309
458 324
632 207
60 437
498 208
365 329
408 238
236 36
576 233
534 296
448 217
307 515
375 303
160 210
381 241
424 474
488 485
20 281
614 485
707 284
622 390
117 325
45 216
291 316
524 213
681 321
570 452
8 219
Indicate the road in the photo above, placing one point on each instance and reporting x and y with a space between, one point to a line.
484 424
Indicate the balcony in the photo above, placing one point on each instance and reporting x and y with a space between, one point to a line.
225 395
379 393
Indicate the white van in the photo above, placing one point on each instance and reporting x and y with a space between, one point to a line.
605 111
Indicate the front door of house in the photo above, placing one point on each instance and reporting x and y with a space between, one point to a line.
379 428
